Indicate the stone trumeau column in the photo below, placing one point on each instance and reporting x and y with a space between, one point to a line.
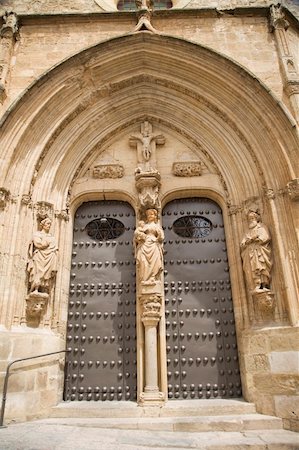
8 37
287 62
148 242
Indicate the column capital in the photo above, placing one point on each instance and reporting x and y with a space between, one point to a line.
151 310
10 27
277 18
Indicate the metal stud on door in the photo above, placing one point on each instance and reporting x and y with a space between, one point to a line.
101 329
202 356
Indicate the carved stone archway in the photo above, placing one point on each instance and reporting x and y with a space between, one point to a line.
91 104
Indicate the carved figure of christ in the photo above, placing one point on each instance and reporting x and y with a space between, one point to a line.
146 143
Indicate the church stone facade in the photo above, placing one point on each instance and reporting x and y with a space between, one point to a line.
149 203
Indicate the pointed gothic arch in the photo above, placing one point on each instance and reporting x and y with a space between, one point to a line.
204 100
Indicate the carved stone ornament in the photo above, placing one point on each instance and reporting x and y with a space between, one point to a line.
292 86
108 171
148 187
233 209
144 15
44 210
264 306
42 263
36 306
277 18
4 197
293 189
187 168
269 194
10 26
151 307
26 200
62 215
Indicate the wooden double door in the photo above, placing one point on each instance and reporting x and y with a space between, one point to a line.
202 356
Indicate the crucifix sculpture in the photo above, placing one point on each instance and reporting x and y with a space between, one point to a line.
146 142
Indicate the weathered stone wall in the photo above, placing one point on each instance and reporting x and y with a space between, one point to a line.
33 385
271 364
45 43
50 6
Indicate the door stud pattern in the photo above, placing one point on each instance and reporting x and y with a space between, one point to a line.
202 354
101 328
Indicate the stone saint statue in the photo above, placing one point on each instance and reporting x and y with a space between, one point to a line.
42 265
256 254
148 239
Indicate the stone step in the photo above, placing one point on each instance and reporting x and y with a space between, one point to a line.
241 422
180 408
42 436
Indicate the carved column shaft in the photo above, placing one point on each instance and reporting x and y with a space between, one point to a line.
8 36
289 71
151 360
151 307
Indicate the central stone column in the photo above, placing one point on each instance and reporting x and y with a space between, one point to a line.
151 307
148 242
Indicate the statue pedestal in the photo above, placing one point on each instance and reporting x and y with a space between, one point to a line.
151 289
36 306
148 185
264 305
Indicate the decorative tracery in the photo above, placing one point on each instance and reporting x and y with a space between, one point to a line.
192 227
105 229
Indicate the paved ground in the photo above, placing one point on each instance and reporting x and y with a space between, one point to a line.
46 435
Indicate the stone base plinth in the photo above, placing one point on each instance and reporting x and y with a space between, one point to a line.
151 398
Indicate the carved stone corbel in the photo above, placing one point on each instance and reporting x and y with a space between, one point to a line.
144 16
293 189
233 209
148 187
269 194
26 200
4 197
264 305
36 307
8 36
62 215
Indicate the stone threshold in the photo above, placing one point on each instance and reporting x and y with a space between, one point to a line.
174 408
